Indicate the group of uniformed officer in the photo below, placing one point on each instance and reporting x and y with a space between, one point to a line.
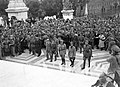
60 36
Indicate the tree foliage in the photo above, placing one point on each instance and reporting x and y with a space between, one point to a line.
51 7
3 6
43 8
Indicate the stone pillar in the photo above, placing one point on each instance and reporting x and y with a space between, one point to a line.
86 9
67 14
67 10
18 9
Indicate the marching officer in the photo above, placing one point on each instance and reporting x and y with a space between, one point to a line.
53 50
96 39
87 53
48 48
62 51
72 54
38 45
81 42
12 46
32 42
0 51
6 48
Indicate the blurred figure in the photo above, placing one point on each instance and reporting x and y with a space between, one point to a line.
54 49
104 81
48 48
96 39
87 54
101 41
81 42
72 54
62 51
114 60
38 45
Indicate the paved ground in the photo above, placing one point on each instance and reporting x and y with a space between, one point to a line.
98 64
22 75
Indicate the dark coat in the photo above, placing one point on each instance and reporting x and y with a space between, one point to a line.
87 51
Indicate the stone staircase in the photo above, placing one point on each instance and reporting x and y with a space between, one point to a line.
98 64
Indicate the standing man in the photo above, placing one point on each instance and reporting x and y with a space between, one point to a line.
38 45
53 50
87 53
81 42
12 46
62 51
0 50
96 40
72 54
48 48
32 42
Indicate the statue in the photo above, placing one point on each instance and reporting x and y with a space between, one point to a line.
67 10
18 9
67 5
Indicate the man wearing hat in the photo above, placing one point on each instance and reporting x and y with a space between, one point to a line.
12 46
32 43
104 81
48 48
114 60
81 41
87 53
54 50
72 54
38 45
62 51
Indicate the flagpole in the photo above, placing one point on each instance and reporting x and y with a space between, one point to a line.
86 9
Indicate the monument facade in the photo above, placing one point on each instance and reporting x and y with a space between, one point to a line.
67 10
100 6
18 9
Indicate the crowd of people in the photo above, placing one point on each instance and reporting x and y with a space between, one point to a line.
35 34
55 36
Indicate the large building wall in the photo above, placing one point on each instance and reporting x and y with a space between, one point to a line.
96 6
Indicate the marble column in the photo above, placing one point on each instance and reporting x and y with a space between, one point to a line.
67 10
18 9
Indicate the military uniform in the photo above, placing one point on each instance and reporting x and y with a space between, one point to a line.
12 47
48 48
72 54
38 46
0 51
54 49
87 54
6 48
96 40
32 43
62 52
81 42
114 60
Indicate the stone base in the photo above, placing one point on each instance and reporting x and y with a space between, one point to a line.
67 14
19 13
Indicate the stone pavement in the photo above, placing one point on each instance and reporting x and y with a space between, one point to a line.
98 64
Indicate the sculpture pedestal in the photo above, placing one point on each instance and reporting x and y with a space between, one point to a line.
67 14
18 9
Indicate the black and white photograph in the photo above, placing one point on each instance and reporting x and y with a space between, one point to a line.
59 43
